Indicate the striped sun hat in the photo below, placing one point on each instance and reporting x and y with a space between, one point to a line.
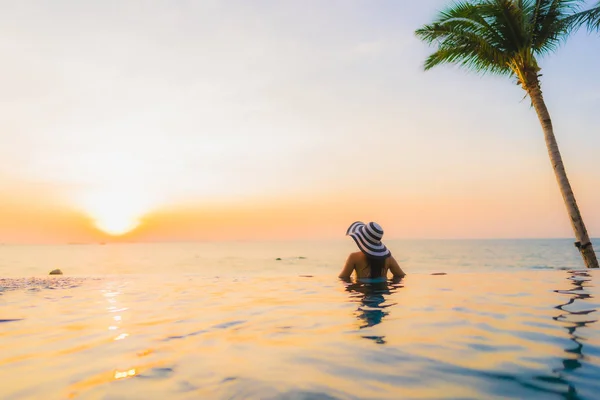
368 239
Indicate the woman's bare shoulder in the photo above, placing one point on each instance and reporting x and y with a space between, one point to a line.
390 260
394 267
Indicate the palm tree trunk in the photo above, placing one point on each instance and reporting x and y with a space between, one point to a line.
583 241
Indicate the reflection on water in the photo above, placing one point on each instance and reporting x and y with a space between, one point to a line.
575 314
113 308
124 374
542 379
372 296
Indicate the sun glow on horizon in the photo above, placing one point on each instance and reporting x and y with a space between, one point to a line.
116 211
116 225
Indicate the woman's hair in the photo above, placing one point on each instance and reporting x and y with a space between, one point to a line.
376 265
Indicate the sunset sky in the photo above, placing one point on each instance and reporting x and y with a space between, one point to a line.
210 120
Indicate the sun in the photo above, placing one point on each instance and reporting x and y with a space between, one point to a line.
116 211
116 225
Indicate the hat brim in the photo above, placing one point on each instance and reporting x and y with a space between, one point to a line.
371 248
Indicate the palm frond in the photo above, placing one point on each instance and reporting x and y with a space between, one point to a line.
461 14
465 57
507 19
464 37
550 25
460 44
589 18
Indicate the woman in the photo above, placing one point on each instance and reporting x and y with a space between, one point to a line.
373 260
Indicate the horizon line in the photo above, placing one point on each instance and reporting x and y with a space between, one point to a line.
125 242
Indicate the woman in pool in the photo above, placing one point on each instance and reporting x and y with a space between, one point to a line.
373 260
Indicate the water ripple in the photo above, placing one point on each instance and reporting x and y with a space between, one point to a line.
495 335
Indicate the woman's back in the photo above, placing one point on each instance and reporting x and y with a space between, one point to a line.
366 267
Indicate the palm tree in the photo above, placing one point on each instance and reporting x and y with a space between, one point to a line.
505 37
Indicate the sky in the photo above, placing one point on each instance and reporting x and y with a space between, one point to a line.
236 120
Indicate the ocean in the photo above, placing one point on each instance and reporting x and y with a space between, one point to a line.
270 320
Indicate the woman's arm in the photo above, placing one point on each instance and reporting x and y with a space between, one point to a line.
348 268
395 268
